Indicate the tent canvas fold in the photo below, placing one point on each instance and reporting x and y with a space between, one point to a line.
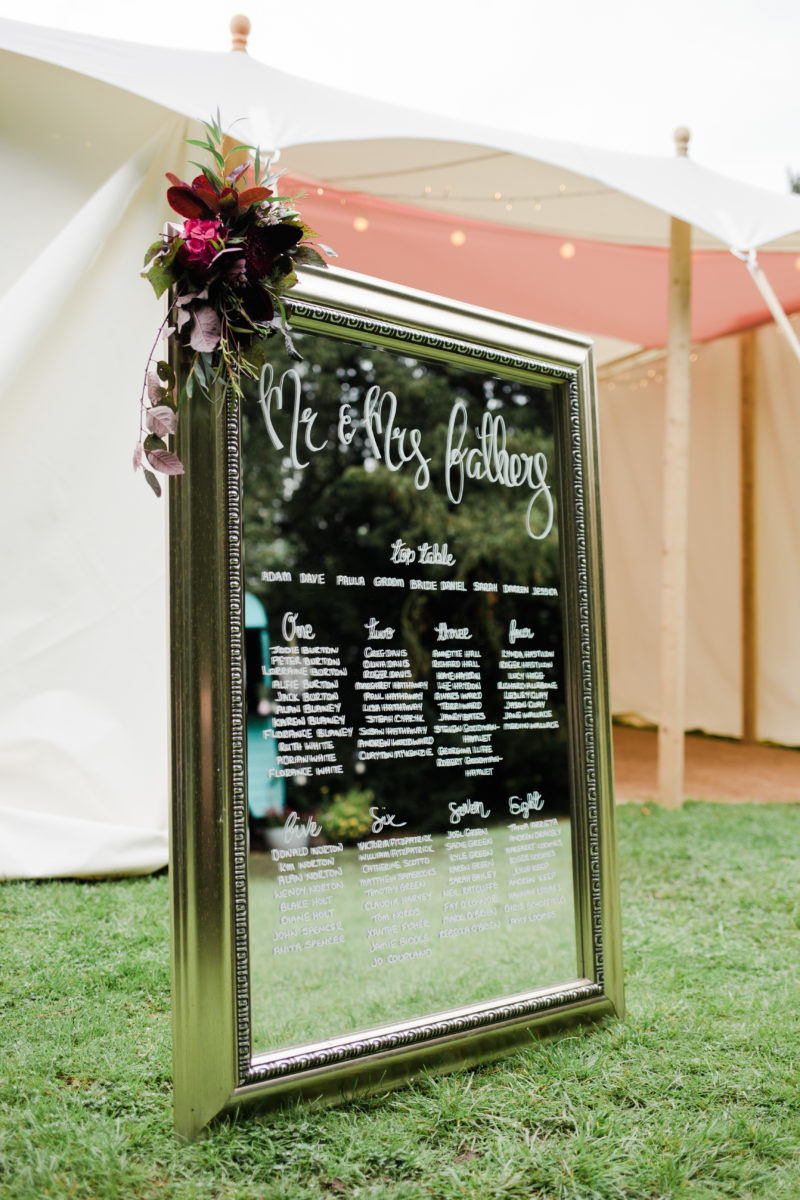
91 126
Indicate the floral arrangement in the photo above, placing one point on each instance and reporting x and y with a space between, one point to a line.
347 818
228 268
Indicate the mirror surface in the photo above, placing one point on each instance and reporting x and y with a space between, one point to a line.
408 781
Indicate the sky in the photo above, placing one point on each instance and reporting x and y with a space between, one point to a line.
621 74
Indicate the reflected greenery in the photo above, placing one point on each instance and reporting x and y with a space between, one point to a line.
340 515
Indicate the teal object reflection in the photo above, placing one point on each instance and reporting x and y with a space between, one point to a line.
264 792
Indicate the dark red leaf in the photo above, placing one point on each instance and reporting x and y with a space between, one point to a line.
253 195
201 184
189 203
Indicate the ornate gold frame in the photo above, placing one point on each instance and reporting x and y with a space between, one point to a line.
214 1069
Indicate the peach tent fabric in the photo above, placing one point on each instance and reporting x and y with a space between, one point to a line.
83 755
620 292
610 290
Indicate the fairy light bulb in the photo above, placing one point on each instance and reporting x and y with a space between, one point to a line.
567 250
458 237
361 224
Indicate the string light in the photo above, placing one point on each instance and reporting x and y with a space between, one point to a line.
562 187
638 371
567 250
458 237
498 195
509 206
320 191
361 224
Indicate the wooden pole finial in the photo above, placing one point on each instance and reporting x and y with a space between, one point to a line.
240 28
682 136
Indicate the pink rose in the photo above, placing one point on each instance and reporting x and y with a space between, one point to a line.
202 240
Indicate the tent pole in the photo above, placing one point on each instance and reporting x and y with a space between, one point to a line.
747 451
675 513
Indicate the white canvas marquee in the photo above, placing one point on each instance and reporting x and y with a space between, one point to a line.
631 402
83 746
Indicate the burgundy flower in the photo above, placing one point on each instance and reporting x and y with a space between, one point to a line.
257 303
265 246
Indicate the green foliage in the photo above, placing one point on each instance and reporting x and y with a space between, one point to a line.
342 512
346 818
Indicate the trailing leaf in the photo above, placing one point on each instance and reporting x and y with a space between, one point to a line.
199 370
165 372
166 462
206 329
155 391
154 484
161 420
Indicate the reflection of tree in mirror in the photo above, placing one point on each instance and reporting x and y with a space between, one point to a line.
343 512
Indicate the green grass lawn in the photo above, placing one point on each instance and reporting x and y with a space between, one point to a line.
696 1094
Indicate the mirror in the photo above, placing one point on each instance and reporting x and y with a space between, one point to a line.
408 783
390 725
